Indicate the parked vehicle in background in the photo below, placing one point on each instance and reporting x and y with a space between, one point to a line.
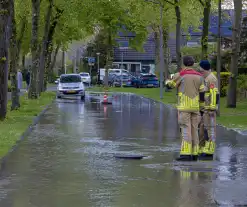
111 78
70 85
57 81
112 71
125 79
146 81
86 78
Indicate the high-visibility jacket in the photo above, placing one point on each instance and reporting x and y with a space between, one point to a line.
211 92
190 84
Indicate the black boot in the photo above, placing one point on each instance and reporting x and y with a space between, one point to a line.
194 157
185 158
206 157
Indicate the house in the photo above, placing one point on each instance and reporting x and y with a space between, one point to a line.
226 30
134 61
137 62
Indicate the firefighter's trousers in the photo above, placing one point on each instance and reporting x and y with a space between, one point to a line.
189 122
207 132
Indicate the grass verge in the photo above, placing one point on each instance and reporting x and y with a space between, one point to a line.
231 118
18 121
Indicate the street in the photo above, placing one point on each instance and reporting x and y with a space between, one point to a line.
68 160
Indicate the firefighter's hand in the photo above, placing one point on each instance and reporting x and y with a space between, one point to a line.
168 83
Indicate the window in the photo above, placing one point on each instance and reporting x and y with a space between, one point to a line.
84 74
70 79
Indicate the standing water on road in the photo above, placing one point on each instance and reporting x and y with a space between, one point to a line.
68 160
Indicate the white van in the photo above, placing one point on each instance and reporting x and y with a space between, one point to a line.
112 71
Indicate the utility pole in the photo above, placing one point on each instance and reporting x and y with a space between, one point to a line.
121 69
98 54
219 51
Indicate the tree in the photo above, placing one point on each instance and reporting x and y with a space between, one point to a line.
4 17
13 56
243 41
44 47
232 90
206 15
34 81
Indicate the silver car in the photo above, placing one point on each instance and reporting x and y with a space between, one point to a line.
85 78
70 85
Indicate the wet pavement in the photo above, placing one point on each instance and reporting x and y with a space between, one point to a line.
68 160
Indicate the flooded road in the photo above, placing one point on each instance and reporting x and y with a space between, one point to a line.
68 160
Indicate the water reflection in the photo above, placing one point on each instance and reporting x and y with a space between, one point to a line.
68 160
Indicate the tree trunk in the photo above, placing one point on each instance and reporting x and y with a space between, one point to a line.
204 40
54 58
4 15
34 82
109 57
232 90
13 56
178 36
63 62
219 51
20 38
156 39
48 75
166 53
49 47
23 61
44 47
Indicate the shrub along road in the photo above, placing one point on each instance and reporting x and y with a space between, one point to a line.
231 118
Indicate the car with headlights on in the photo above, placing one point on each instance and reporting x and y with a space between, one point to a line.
70 85
86 78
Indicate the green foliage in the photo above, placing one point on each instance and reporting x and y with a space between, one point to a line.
196 51
225 60
242 82
224 81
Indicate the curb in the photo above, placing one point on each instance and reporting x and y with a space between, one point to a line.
24 134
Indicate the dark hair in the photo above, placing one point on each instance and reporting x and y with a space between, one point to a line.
188 61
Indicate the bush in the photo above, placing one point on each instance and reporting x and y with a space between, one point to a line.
196 51
94 80
224 81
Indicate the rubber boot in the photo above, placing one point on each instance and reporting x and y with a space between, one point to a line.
185 158
208 151
185 151
206 157
195 151
194 157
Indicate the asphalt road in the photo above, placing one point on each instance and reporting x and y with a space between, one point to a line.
68 160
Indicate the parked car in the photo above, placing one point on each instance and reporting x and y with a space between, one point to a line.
57 81
125 79
146 81
86 78
111 78
70 85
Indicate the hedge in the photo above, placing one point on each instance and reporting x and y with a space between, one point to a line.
224 80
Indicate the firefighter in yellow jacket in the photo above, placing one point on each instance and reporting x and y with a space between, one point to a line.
190 84
207 148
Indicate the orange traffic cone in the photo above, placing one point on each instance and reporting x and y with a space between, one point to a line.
105 99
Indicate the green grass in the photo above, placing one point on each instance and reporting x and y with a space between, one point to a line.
232 118
24 84
18 121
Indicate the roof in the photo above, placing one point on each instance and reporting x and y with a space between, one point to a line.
226 25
